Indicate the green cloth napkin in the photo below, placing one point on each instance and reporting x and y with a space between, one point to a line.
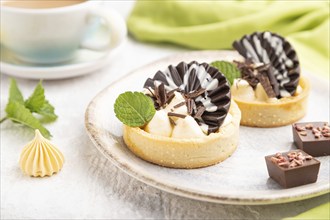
216 24
320 212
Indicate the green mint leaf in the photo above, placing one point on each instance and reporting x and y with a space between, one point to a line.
14 93
37 103
134 109
37 99
228 69
47 111
17 112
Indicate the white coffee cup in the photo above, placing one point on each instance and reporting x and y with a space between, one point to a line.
54 34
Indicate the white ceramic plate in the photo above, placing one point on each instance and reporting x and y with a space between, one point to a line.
241 179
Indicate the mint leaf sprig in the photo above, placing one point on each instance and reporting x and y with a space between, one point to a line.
230 70
134 109
22 112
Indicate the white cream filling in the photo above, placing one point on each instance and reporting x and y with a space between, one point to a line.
160 124
177 99
187 128
260 94
298 91
241 89
184 127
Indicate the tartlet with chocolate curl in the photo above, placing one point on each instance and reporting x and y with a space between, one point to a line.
196 123
271 91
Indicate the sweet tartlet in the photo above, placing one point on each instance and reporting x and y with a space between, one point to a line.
196 124
270 92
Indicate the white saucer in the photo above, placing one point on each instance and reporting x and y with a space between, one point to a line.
86 61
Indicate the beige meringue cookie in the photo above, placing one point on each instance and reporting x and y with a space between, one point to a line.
40 157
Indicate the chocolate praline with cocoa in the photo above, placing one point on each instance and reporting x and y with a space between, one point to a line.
293 168
312 137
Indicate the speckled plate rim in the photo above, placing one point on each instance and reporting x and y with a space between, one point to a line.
94 134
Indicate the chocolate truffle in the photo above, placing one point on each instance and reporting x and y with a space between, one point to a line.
312 137
293 168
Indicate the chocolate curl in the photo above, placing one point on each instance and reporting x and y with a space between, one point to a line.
191 106
199 113
173 114
254 75
195 94
248 72
162 93
264 81
160 96
179 105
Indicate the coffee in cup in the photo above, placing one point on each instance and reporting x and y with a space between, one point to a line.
39 4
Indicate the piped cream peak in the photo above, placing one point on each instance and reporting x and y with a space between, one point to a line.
40 157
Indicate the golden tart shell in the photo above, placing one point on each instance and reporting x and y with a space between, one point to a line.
185 153
284 112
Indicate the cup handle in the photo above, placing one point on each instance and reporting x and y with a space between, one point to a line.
115 25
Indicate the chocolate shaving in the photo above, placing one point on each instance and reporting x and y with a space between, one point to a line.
176 115
248 72
161 97
160 94
151 91
254 75
271 86
191 106
171 93
264 81
169 98
195 94
179 105
200 112
263 68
